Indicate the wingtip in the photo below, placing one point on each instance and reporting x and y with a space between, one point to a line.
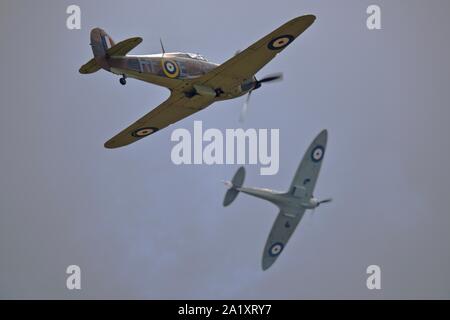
265 265
307 17
310 16
116 143
110 145
323 136
311 19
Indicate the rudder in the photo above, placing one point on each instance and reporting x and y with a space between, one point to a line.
100 42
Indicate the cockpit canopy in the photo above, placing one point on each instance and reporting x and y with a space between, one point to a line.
197 56
188 55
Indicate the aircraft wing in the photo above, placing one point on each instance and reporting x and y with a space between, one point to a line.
306 176
303 186
175 108
282 229
246 63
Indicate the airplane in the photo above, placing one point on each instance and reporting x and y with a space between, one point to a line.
194 82
292 203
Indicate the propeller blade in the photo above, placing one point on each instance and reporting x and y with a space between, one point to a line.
325 200
245 107
272 77
257 84
162 46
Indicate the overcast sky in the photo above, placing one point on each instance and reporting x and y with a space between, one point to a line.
141 227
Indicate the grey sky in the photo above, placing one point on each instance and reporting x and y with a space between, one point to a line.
141 227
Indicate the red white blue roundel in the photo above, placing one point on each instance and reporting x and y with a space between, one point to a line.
280 42
171 68
317 154
276 249
143 132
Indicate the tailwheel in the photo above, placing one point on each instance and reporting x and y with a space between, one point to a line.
123 80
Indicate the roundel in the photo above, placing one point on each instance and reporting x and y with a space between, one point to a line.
276 249
280 42
143 132
170 68
317 154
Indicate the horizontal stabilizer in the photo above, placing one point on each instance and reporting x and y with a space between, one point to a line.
119 49
90 67
236 182
123 47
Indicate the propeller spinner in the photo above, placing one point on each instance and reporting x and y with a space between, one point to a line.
257 84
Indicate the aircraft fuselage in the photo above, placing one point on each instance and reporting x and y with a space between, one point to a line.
160 68
283 200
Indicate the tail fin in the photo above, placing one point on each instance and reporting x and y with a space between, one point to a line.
236 182
100 42
103 47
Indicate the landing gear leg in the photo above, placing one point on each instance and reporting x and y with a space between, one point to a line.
123 80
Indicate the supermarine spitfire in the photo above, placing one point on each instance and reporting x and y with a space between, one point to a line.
194 82
292 203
